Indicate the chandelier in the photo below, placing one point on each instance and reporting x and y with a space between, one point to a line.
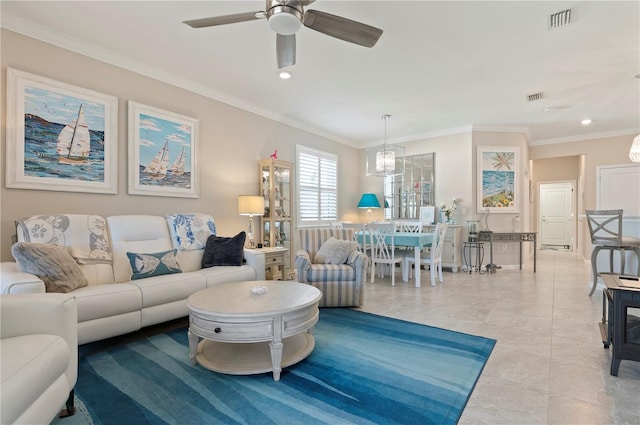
385 160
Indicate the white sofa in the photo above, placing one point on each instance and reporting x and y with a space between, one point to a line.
39 362
113 304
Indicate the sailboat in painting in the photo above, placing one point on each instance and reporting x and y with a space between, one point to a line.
74 141
177 168
157 168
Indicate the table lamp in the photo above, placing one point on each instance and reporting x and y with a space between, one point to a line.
368 201
250 205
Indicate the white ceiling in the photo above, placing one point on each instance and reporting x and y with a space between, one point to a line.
439 67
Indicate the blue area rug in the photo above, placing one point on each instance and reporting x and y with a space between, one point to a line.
365 369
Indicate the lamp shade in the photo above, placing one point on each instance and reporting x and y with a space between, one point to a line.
368 200
250 205
634 153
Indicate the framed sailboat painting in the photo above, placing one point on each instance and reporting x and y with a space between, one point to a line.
162 153
60 136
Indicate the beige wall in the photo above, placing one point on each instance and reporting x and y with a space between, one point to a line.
230 143
591 154
605 151
554 170
507 254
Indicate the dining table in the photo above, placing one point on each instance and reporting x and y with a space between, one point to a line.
416 240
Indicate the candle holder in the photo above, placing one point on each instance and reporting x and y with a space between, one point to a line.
472 228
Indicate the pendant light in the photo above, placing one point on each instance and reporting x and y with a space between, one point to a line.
385 160
634 153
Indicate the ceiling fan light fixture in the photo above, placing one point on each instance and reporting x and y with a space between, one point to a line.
285 20
285 75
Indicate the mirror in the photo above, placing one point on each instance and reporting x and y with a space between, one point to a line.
404 194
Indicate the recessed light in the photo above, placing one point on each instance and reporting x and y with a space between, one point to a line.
585 121
285 75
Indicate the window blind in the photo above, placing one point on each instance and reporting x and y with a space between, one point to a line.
317 187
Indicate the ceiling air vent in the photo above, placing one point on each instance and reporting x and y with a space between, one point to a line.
535 96
560 19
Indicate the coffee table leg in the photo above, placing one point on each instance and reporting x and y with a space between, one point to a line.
276 358
193 347
276 348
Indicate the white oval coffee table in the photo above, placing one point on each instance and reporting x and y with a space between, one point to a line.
244 332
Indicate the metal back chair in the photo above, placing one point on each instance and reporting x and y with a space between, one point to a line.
605 227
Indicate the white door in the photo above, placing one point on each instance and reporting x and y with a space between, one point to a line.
556 214
618 187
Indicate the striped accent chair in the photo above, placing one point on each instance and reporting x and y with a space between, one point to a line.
342 285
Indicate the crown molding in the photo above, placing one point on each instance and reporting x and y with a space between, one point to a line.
75 45
418 137
589 136
494 129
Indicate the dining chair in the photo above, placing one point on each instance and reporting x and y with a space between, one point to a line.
383 252
605 227
362 238
407 226
433 258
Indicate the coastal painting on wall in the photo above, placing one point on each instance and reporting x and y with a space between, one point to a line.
497 179
59 136
162 153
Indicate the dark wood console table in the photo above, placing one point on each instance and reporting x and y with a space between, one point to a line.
508 237
618 327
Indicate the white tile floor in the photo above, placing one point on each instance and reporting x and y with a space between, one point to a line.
549 365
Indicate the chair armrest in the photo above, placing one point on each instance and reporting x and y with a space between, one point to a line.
256 260
302 264
15 281
52 314
358 260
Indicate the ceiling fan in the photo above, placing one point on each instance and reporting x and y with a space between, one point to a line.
285 18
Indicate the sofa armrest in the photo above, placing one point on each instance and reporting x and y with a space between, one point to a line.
52 314
255 259
359 261
15 281
302 264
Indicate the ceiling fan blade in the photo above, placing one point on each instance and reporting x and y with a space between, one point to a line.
342 28
226 19
285 50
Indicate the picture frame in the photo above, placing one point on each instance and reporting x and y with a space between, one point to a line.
45 150
497 179
162 152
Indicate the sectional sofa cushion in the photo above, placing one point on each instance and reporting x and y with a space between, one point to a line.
145 265
223 251
190 231
84 237
135 233
57 269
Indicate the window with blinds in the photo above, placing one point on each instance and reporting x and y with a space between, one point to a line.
317 173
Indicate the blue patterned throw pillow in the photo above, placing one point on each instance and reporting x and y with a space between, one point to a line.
153 264
190 231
